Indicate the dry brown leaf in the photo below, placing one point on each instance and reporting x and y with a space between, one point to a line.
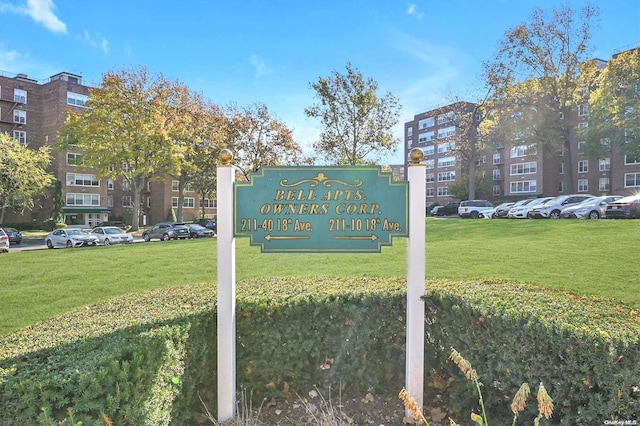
437 414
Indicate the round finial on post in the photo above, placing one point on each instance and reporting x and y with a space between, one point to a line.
416 155
226 156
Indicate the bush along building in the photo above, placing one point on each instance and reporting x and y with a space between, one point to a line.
509 168
32 112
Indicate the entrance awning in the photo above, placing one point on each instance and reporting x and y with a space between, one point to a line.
78 210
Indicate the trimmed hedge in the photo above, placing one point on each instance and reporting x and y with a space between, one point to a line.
149 359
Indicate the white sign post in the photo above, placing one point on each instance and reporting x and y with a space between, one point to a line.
226 290
414 380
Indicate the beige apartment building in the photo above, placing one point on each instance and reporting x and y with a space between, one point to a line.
32 112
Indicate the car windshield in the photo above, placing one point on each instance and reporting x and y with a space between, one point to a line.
197 227
74 232
112 231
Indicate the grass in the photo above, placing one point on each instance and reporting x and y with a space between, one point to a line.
585 257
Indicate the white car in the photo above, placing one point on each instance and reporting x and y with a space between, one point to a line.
108 235
521 209
4 241
552 208
473 208
69 237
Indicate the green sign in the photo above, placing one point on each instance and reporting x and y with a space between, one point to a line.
321 209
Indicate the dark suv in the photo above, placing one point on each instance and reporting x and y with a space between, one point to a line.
447 210
208 223
167 231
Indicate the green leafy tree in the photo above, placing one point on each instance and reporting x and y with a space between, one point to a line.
536 77
123 131
357 123
23 174
614 112
260 139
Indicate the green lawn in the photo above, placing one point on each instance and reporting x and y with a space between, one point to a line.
587 257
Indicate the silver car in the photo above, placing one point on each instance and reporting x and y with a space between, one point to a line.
111 235
4 241
593 208
69 237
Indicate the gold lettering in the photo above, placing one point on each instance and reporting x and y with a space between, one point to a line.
279 195
265 208
302 226
303 208
327 196
359 195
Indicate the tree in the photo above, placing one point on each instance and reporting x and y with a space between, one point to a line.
123 131
23 174
536 79
614 112
260 139
357 123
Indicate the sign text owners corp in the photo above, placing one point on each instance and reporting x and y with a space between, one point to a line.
321 209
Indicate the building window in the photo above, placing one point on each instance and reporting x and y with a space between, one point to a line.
446 147
426 137
110 201
409 131
429 149
76 99
110 184
497 159
583 185
447 161
496 189
523 150
20 96
78 179
524 186
604 164
19 116
583 166
148 202
126 185
74 159
430 192
561 168
20 136
630 160
430 177
583 125
606 144
581 145
429 164
560 186
583 109
189 202
91 200
148 186
208 203
446 176
445 118
127 201
631 180
446 132
524 168
496 174
175 185
426 122
603 184
443 191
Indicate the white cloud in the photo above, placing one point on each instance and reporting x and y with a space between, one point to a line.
96 41
412 10
14 61
41 11
259 65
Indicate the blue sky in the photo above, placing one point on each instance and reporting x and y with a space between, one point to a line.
242 51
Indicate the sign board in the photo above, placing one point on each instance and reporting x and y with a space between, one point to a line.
321 209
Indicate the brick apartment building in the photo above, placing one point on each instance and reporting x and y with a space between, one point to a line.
517 172
32 112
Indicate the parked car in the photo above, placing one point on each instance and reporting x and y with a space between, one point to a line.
473 208
522 208
69 237
502 210
167 231
446 210
116 223
199 231
624 208
208 223
4 241
593 208
552 208
111 235
15 236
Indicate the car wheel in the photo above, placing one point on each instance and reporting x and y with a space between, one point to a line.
49 244
69 244
554 214
594 215
165 237
146 237
107 242
474 215
193 235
